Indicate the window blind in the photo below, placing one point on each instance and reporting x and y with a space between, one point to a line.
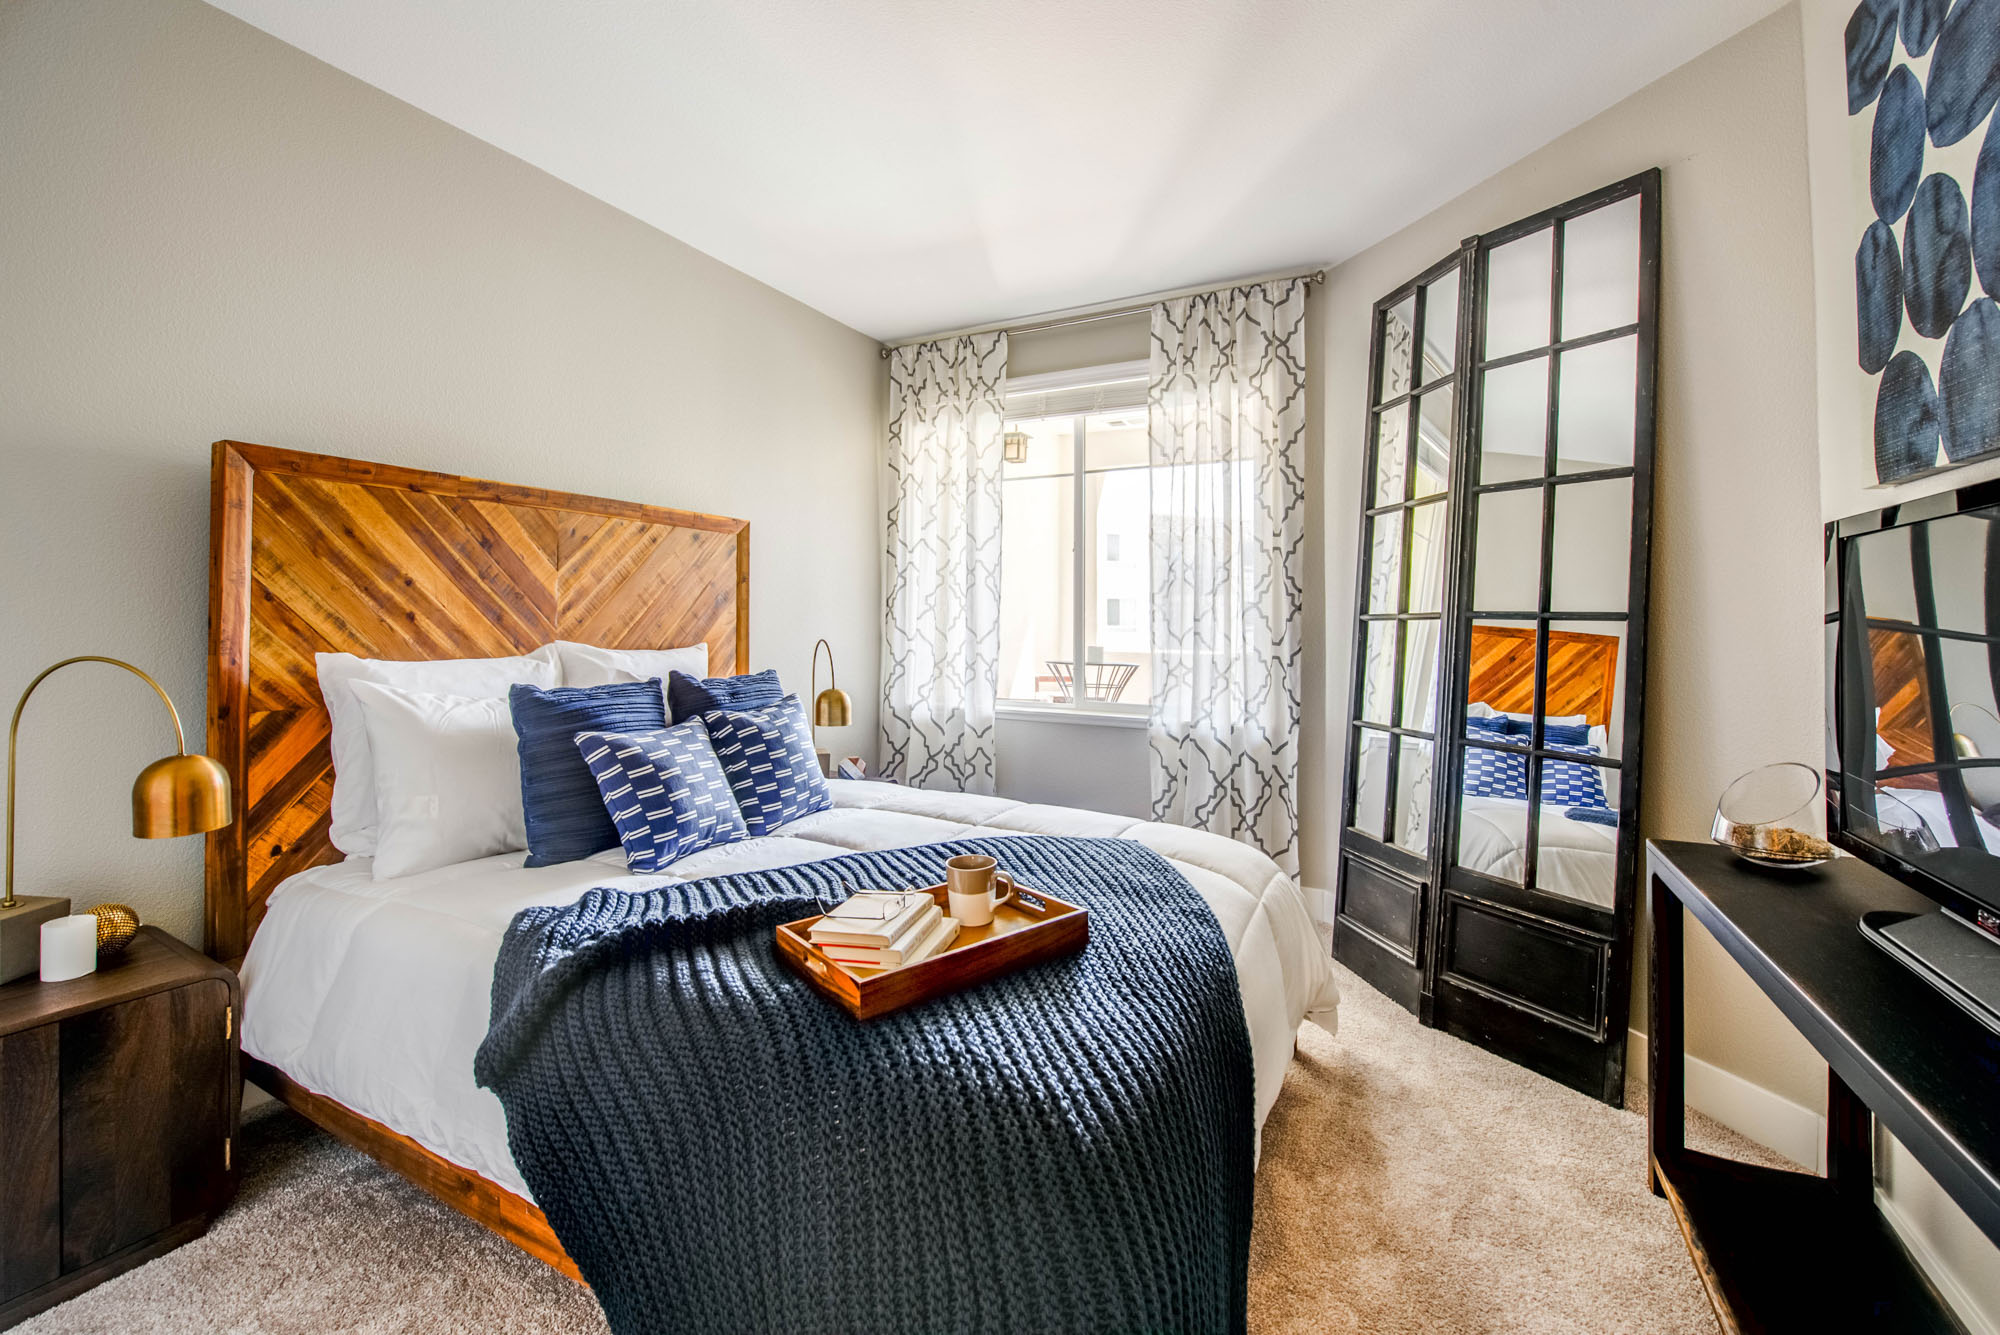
1090 389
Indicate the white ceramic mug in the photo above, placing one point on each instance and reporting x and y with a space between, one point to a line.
972 884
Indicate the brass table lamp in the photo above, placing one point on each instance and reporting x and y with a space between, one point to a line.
831 707
178 795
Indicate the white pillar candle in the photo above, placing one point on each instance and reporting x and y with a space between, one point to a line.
69 947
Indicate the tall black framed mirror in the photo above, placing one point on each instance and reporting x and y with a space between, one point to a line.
1490 841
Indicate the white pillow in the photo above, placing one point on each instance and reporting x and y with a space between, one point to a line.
447 778
353 806
588 665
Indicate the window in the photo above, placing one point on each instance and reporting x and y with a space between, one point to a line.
1075 585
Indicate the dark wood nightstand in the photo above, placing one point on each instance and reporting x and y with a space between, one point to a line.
118 1105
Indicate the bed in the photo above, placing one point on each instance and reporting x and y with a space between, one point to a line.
365 999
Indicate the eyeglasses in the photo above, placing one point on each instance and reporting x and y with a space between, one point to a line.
862 906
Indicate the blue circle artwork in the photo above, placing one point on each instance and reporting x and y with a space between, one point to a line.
1878 291
1986 211
1871 44
1969 383
1964 80
1934 239
1921 21
1896 145
1937 256
1906 419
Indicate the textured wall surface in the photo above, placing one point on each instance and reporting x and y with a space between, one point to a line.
207 234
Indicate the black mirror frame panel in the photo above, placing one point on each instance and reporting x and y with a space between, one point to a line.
1565 1008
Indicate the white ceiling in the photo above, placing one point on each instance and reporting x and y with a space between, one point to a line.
908 166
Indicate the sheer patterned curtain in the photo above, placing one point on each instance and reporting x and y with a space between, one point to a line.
941 626
1227 422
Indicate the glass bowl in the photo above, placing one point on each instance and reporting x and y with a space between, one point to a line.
1766 816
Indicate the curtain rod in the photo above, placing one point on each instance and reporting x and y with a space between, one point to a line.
1105 310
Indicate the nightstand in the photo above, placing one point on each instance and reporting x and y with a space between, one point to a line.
118 1105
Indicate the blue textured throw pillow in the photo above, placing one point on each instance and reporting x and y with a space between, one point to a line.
563 810
687 696
768 755
1490 773
665 791
1565 783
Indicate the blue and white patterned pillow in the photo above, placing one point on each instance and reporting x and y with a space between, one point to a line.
665 791
767 753
1570 785
1490 773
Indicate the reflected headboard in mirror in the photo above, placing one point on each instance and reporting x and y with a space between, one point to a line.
315 554
1583 672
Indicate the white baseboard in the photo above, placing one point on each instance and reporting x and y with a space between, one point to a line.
1748 1109
1799 1134
1964 1304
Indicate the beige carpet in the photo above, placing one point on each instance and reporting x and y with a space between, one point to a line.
1410 1183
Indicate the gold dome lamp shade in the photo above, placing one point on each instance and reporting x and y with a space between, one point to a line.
178 795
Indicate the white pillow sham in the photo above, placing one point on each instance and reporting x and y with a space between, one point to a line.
447 778
1599 735
589 665
353 807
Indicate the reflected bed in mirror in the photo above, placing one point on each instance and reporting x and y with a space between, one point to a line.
1577 836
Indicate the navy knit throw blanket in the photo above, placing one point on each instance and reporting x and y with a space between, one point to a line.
721 1149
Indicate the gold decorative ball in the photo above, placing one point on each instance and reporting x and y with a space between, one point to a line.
116 926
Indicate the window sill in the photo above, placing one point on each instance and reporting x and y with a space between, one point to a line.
1017 711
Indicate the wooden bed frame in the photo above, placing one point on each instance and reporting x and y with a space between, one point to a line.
310 554
1583 672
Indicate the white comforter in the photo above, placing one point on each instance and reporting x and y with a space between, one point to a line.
1577 859
375 994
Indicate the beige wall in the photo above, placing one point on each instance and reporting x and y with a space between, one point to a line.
205 233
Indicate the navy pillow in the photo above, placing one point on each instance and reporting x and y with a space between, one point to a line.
564 811
665 791
1553 734
768 755
687 697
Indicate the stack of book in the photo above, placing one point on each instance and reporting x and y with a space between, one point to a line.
884 929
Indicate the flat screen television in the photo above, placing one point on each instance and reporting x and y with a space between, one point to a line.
1913 725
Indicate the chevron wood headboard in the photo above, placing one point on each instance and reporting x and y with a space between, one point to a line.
311 553
1582 676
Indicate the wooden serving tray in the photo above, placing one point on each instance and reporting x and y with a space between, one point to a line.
1035 926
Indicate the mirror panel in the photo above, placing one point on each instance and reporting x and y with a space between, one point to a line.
1576 838
1420 675
1440 329
1593 546
1500 677
1428 556
1385 562
1519 279
1597 406
1378 673
1601 269
1392 455
1586 687
1398 334
1435 434
1371 782
1514 421
1413 796
1507 570
1493 813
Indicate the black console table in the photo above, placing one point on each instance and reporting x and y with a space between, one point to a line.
1781 1251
